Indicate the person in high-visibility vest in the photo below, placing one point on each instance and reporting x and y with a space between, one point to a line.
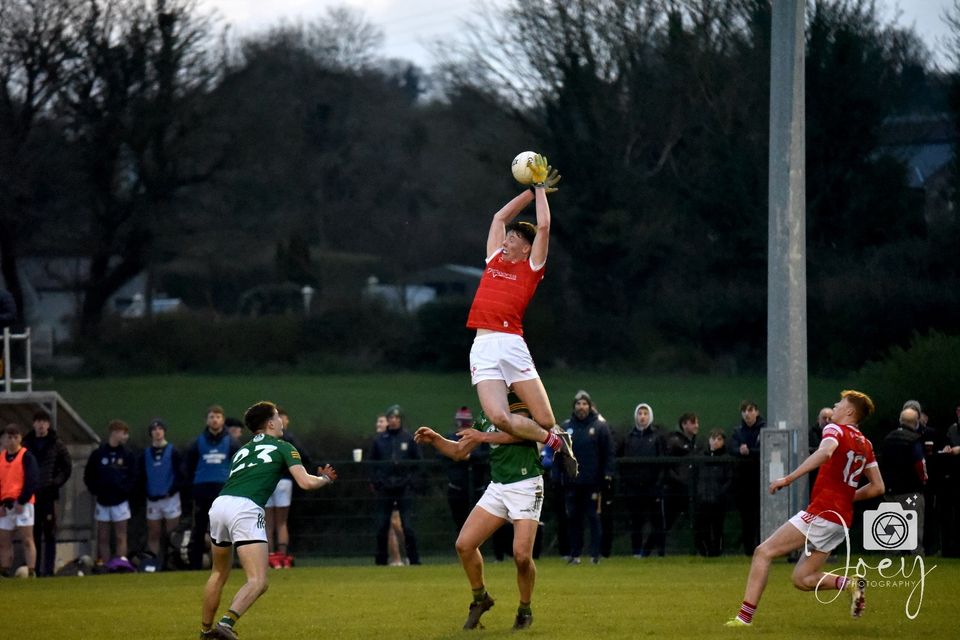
19 475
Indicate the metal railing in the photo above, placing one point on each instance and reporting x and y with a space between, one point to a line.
8 369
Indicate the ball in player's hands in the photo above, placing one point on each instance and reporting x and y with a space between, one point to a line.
520 167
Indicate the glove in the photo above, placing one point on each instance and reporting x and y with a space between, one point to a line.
543 175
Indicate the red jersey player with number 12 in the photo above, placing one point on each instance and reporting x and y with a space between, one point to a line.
843 457
499 358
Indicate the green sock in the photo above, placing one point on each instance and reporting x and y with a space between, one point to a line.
524 609
230 618
479 594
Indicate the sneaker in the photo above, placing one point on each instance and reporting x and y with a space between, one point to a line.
736 622
275 559
570 465
287 561
477 609
858 600
574 560
595 560
211 633
224 632
523 621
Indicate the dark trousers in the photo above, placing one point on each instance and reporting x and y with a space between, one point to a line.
45 535
708 528
387 501
676 502
749 525
646 511
460 505
583 501
606 523
556 506
203 497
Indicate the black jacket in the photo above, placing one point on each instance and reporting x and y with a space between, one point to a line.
53 460
678 444
642 478
8 309
389 451
593 447
111 474
901 460
714 477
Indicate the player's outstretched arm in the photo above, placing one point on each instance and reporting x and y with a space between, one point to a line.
503 217
488 437
445 447
545 178
873 488
307 482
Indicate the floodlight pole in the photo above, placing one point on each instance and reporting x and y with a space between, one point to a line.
784 443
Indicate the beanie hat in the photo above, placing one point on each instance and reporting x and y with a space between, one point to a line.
393 410
463 416
583 395
156 422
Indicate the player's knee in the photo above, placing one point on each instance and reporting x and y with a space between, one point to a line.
259 585
464 547
523 559
800 582
500 418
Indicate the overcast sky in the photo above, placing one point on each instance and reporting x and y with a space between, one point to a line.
410 24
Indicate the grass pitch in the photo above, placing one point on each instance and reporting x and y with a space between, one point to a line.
679 597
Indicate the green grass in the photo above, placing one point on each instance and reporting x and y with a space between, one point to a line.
347 404
669 598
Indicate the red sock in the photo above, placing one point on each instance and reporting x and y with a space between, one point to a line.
746 612
840 582
553 441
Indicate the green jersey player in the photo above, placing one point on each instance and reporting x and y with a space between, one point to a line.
237 516
515 494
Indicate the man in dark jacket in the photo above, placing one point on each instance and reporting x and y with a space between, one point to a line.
207 468
745 445
55 466
904 469
593 447
713 488
392 478
676 486
111 476
643 482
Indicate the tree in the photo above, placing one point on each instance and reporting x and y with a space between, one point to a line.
130 109
37 50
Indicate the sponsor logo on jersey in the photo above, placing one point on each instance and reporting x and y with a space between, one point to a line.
496 273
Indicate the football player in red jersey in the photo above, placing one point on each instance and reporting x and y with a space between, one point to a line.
516 256
843 456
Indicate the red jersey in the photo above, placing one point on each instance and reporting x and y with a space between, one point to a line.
839 477
503 295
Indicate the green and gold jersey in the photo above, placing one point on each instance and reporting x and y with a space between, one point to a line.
258 466
510 462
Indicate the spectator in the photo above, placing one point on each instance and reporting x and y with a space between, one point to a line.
18 484
393 479
745 445
395 542
593 448
53 460
207 468
676 490
278 506
713 488
642 483
161 474
110 476
933 441
816 434
904 469
555 505
950 515
235 429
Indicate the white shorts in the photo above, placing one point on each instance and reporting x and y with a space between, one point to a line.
822 535
13 520
116 513
282 495
515 501
501 356
164 508
234 519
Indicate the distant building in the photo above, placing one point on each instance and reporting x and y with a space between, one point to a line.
53 295
446 282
